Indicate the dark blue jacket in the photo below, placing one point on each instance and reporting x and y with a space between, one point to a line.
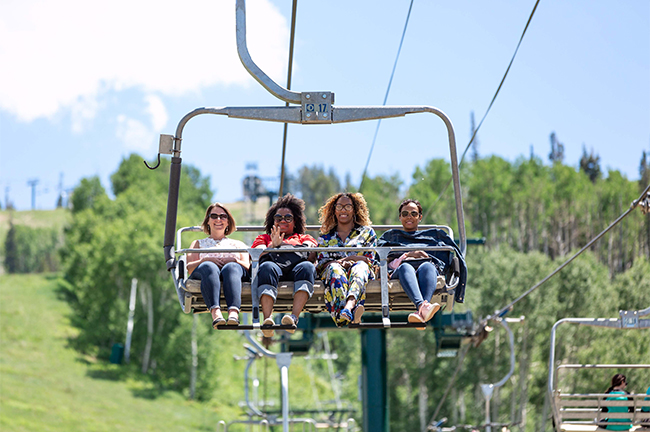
431 237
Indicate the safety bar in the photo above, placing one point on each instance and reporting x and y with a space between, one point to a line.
260 228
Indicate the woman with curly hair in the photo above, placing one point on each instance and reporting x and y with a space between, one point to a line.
285 225
345 222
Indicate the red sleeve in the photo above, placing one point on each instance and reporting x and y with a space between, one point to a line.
263 239
306 238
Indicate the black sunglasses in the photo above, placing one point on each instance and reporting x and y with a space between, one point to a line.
219 216
413 213
287 218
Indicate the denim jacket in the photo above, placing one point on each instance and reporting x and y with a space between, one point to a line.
431 237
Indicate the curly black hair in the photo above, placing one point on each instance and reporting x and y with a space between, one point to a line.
297 208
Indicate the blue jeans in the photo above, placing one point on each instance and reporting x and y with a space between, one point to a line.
270 274
419 285
211 277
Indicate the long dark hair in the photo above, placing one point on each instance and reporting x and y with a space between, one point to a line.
617 380
297 207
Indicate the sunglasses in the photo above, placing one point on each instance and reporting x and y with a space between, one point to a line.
219 216
412 214
346 207
287 218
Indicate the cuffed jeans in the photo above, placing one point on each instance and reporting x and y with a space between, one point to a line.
270 274
419 285
211 277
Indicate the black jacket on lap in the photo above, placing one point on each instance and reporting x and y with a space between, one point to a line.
441 259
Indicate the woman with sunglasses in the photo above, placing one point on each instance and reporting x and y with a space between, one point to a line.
416 270
345 222
285 225
215 268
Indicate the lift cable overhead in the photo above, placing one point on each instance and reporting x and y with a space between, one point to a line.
488 108
390 82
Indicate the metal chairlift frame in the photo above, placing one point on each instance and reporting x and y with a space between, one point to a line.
629 320
314 107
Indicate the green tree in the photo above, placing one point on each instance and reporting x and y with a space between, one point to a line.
88 193
428 187
590 164
110 243
382 193
11 250
315 186
557 149
31 250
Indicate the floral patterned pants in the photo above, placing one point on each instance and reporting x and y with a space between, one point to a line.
341 284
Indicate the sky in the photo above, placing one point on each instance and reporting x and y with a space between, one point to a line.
85 84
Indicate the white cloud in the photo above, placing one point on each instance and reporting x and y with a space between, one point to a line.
55 54
157 111
82 112
135 134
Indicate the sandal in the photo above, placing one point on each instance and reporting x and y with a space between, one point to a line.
233 317
291 320
358 312
346 315
268 332
217 322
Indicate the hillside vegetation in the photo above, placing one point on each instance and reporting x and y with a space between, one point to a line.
47 385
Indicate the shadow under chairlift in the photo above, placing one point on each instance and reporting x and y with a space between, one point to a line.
583 412
310 108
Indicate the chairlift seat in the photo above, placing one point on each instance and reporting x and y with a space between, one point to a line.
398 300
583 412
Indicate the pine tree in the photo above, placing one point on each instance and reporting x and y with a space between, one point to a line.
590 164
557 149
11 250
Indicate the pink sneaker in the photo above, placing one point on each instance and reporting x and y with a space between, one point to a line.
428 310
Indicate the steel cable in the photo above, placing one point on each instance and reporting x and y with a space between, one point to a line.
488 108
390 82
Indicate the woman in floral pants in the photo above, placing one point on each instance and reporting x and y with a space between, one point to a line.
345 222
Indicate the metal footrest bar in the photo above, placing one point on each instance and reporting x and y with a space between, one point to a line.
254 327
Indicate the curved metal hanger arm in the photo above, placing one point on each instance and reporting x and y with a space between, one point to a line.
257 73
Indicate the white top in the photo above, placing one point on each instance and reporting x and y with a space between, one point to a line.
224 243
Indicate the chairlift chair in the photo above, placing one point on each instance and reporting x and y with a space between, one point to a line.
573 412
307 108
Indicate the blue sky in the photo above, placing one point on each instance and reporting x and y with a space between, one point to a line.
84 85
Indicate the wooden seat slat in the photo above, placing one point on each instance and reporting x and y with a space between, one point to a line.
602 402
583 412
